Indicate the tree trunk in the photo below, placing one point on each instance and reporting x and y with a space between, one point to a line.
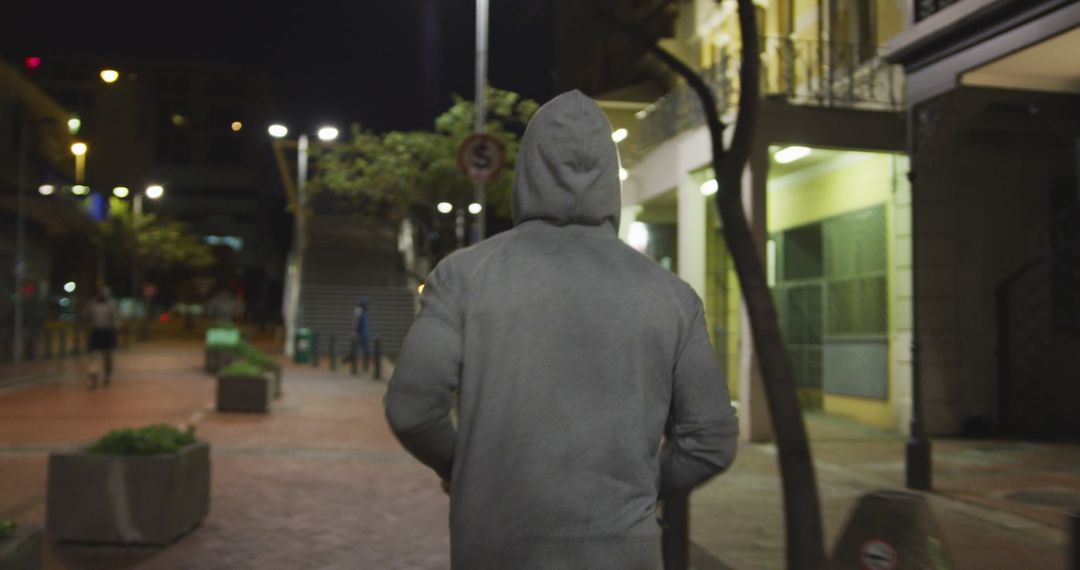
802 509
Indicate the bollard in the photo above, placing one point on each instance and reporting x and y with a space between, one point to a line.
1074 527
315 349
378 358
333 353
47 344
354 362
61 345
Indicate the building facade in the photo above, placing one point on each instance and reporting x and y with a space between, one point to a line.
197 129
993 102
826 191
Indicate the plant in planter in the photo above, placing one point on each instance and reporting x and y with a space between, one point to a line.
20 546
133 486
244 387
268 365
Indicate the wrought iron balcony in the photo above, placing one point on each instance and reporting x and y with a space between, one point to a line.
925 8
797 72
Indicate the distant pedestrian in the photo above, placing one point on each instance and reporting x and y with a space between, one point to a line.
565 354
104 321
361 332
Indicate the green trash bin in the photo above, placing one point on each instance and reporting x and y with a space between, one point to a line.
303 345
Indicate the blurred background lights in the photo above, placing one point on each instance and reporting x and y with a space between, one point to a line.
475 208
154 192
121 192
80 190
69 286
278 131
74 124
791 154
619 135
46 189
710 187
110 75
445 207
78 149
236 126
328 133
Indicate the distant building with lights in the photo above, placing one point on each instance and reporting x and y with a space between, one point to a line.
198 130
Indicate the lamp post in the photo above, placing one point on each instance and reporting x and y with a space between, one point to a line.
475 208
153 192
481 101
297 195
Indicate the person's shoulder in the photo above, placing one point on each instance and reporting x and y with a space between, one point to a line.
650 274
464 262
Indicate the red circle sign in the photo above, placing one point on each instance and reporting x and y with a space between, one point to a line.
481 157
877 554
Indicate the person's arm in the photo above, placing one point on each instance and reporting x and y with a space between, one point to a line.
420 396
703 426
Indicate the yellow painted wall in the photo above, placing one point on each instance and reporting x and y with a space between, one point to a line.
847 182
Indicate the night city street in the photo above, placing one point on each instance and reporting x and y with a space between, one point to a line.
540 285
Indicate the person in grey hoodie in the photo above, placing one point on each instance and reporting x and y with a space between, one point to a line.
565 353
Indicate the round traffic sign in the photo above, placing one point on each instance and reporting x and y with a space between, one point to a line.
877 554
480 157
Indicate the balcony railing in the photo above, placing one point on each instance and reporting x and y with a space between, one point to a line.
798 72
926 8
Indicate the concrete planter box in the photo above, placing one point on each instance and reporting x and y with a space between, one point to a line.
23 550
244 393
127 499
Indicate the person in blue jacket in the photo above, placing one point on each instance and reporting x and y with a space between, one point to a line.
361 332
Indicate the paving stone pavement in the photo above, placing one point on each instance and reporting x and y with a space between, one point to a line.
318 483
321 483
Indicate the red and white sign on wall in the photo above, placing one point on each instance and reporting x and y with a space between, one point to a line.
481 157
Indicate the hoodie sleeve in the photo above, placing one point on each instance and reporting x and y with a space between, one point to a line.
703 428
421 391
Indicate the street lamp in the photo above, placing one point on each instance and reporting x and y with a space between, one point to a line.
79 150
110 75
154 192
46 189
295 269
474 208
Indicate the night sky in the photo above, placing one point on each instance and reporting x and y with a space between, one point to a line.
386 64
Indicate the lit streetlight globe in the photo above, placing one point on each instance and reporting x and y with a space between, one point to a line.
619 135
328 133
154 192
46 189
278 131
475 208
445 207
80 190
69 286
110 75
78 149
121 192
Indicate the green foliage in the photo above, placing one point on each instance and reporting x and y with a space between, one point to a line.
7 529
394 176
149 440
160 243
223 337
254 355
242 368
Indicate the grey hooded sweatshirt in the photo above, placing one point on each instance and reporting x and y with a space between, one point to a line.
568 353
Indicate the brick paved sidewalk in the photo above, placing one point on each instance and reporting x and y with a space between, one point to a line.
318 483
321 483
738 518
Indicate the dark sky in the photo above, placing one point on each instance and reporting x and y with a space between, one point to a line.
388 64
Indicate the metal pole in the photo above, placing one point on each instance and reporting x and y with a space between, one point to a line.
333 353
20 240
917 452
315 349
136 215
481 104
378 358
299 241
1074 524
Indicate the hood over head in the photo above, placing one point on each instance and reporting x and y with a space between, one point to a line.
568 167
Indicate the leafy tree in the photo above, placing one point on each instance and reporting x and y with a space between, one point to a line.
398 177
162 244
